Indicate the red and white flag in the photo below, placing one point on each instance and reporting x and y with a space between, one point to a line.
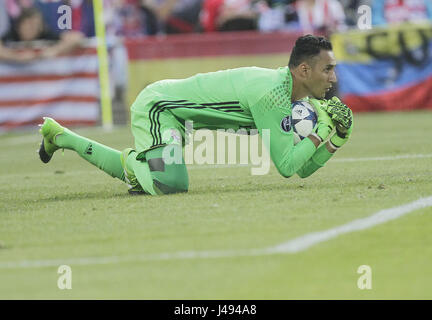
65 88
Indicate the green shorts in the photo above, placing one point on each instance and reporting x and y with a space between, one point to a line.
153 126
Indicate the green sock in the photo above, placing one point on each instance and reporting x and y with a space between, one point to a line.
103 157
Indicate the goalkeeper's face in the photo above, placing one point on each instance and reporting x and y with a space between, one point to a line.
322 74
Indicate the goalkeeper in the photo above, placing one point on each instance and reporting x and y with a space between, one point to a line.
251 98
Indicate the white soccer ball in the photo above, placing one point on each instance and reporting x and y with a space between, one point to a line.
304 119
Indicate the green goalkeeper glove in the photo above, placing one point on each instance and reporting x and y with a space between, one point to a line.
339 112
325 124
343 118
341 136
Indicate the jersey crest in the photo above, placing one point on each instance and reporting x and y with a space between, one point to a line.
286 124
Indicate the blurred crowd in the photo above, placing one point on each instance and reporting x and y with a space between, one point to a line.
29 20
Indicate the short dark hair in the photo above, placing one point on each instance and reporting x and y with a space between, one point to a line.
307 47
26 14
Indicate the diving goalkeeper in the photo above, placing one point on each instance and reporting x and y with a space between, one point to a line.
250 97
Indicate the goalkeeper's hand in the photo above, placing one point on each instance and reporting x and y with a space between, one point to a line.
339 113
343 128
324 124
341 136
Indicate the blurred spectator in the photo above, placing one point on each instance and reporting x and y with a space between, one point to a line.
182 17
397 11
277 15
28 27
4 19
237 15
209 14
320 15
173 16
130 18
351 8
14 7
229 15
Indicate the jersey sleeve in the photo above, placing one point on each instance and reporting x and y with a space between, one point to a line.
273 113
318 160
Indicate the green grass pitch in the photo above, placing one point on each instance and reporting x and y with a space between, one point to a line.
69 212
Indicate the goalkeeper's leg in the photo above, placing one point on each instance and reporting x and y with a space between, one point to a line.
154 174
57 137
148 175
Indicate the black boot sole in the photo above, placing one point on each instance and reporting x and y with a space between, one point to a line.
45 157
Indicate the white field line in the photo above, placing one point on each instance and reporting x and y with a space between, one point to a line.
296 245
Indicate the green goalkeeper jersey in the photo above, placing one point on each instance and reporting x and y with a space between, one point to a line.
250 98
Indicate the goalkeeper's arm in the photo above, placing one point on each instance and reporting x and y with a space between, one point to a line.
318 160
287 157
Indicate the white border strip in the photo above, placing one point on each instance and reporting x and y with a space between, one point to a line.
296 245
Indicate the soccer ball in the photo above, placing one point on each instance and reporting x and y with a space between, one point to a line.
304 119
